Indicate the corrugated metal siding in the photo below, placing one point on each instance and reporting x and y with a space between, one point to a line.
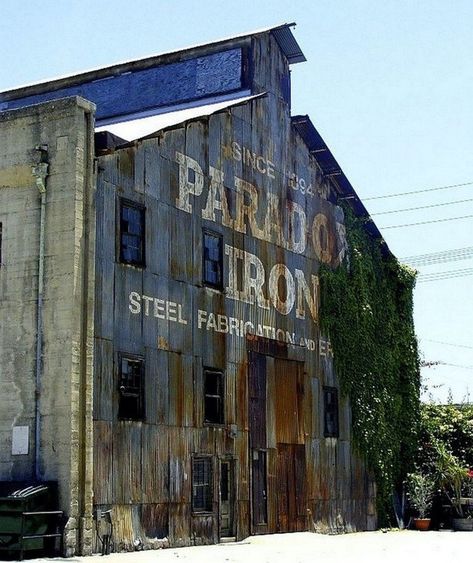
144 469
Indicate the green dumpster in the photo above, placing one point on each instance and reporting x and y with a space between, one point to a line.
28 521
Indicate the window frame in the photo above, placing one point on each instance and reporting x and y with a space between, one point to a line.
140 395
122 203
219 284
331 408
220 397
208 507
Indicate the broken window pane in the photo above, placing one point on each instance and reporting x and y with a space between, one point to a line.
212 260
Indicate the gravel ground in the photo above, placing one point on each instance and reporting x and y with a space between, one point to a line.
305 547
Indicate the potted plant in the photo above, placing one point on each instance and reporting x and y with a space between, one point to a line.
456 483
420 492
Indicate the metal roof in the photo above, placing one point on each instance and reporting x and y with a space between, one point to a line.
288 44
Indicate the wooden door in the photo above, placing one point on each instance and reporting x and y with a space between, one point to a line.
291 487
226 498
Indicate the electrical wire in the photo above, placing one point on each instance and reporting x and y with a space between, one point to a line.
447 343
422 207
419 191
439 257
442 363
449 274
427 222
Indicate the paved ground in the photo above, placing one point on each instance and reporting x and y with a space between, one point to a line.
305 547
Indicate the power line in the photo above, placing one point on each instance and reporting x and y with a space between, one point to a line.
427 222
419 191
462 271
422 207
439 257
448 343
437 276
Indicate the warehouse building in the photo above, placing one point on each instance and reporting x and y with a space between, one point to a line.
162 225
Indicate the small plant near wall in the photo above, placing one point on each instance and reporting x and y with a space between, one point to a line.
420 492
366 311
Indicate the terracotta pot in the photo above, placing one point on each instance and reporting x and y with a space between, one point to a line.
422 524
462 524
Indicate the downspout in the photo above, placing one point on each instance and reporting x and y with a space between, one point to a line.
40 172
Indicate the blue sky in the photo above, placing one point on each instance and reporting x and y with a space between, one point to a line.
388 84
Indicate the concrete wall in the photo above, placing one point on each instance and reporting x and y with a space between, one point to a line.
65 398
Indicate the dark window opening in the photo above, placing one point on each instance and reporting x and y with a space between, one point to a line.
331 412
131 388
213 397
212 260
132 233
202 484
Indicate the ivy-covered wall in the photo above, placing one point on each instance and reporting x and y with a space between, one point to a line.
367 311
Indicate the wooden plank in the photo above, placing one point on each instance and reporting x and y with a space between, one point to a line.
180 451
155 521
181 392
104 380
127 462
105 258
289 416
257 400
103 479
156 386
180 524
204 529
155 464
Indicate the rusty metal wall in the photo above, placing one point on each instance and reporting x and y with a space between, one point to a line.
275 192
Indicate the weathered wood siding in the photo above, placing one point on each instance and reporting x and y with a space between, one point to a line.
276 214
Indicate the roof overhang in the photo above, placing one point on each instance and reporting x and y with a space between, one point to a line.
332 170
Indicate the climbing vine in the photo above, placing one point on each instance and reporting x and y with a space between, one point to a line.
366 310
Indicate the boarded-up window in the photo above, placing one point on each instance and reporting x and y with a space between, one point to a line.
132 230
330 412
212 267
213 397
202 484
131 388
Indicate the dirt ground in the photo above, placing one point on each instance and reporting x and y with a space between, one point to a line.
305 547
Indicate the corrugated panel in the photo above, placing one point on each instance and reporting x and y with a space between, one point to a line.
288 43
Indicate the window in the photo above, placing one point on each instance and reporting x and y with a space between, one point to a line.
1 232
331 412
212 260
213 397
202 496
132 229
131 388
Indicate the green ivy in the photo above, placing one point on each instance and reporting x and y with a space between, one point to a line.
366 310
